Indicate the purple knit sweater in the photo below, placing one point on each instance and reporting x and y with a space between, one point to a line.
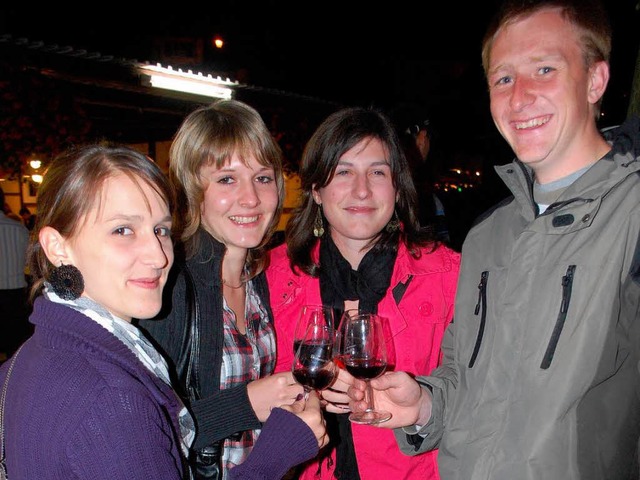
80 405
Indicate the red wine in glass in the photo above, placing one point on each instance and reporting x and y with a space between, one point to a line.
313 366
365 369
360 344
311 369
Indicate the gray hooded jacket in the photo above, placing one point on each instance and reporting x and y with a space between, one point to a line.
540 378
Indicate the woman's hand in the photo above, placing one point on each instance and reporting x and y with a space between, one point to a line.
335 398
273 391
309 412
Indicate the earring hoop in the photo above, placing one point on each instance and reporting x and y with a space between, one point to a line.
66 282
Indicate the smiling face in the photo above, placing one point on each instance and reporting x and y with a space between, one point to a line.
359 200
123 248
543 95
240 200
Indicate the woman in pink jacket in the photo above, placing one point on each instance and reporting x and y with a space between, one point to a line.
355 242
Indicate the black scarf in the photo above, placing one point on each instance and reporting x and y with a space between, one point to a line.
339 282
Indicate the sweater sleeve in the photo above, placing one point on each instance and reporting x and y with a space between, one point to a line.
222 414
285 441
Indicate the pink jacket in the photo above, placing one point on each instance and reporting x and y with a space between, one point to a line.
417 325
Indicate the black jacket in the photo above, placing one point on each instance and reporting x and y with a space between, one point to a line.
219 413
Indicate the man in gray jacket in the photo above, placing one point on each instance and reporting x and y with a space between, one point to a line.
540 375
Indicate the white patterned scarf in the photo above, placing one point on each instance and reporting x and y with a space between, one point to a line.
138 344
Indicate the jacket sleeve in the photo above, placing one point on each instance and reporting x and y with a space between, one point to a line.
442 383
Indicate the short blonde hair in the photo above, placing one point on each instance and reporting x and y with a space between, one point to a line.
589 16
210 135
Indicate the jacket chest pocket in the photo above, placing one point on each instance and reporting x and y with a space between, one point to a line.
421 301
567 288
526 317
480 312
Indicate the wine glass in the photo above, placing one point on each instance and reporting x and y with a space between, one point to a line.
338 341
313 366
311 314
361 348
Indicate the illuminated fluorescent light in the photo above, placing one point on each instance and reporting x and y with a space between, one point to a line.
188 82
188 86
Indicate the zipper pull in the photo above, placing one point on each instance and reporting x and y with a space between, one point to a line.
481 286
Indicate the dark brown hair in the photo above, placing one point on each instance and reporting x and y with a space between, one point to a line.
340 132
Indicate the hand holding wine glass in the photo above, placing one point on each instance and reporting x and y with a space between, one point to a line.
364 354
313 365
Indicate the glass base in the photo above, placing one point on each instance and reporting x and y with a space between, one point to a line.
370 417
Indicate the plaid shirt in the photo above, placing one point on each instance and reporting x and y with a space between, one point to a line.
246 357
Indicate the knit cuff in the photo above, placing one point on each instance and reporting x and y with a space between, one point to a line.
285 441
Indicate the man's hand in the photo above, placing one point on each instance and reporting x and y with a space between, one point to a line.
395 392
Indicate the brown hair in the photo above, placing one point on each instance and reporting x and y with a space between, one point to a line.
72 186
340 132
210 135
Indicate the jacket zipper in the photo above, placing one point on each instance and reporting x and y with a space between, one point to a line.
482 303
567 285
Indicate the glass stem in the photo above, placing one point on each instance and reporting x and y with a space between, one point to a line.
369 394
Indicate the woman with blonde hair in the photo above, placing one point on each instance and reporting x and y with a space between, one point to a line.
228 169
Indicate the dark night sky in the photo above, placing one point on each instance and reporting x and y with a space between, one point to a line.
353 57
427 55
368 55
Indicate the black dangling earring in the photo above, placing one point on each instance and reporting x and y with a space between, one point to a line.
394 223
318 224
67 282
